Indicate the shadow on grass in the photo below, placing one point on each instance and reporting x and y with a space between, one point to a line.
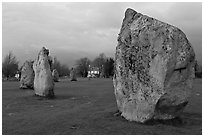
63 97
186 119
37 97
33 97
176 122
56 97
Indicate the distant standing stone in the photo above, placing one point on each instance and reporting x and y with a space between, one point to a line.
55 75
43 82
73 75
154 69
102 74
27 75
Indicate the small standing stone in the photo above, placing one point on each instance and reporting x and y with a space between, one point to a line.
43 82
55 75
73 75
27 75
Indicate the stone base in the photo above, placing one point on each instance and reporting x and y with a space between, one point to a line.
49 95
26 87
73 80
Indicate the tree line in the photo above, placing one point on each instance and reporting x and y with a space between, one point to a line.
105 65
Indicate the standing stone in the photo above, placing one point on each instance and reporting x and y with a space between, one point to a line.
55 75
50 62
154 69
102 74
73 75
27 75
43 82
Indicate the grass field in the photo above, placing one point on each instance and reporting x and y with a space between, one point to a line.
86 107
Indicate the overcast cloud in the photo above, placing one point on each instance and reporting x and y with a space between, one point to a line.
74 30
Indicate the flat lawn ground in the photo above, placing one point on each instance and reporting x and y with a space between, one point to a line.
86 107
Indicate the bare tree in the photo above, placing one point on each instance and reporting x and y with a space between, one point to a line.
100 63
62 69
83 66
9 65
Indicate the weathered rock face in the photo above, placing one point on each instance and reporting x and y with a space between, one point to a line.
154 69
55 75
27 75
43 82
50 62
73 75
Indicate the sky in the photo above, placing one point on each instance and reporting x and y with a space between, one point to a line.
75 30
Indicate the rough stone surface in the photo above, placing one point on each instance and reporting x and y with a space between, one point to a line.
73 75
55 75
43 82
27 75
50 62
154 69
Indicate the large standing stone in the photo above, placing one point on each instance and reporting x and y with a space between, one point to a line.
73 75
50 62
43 82
27 75
154 69
55 75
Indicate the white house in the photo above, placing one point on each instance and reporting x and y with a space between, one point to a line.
93 71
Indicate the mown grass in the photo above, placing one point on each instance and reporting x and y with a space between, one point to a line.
86 107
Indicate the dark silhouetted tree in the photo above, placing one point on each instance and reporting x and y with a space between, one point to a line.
83 66
109 67
62 69
100 62
9 65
